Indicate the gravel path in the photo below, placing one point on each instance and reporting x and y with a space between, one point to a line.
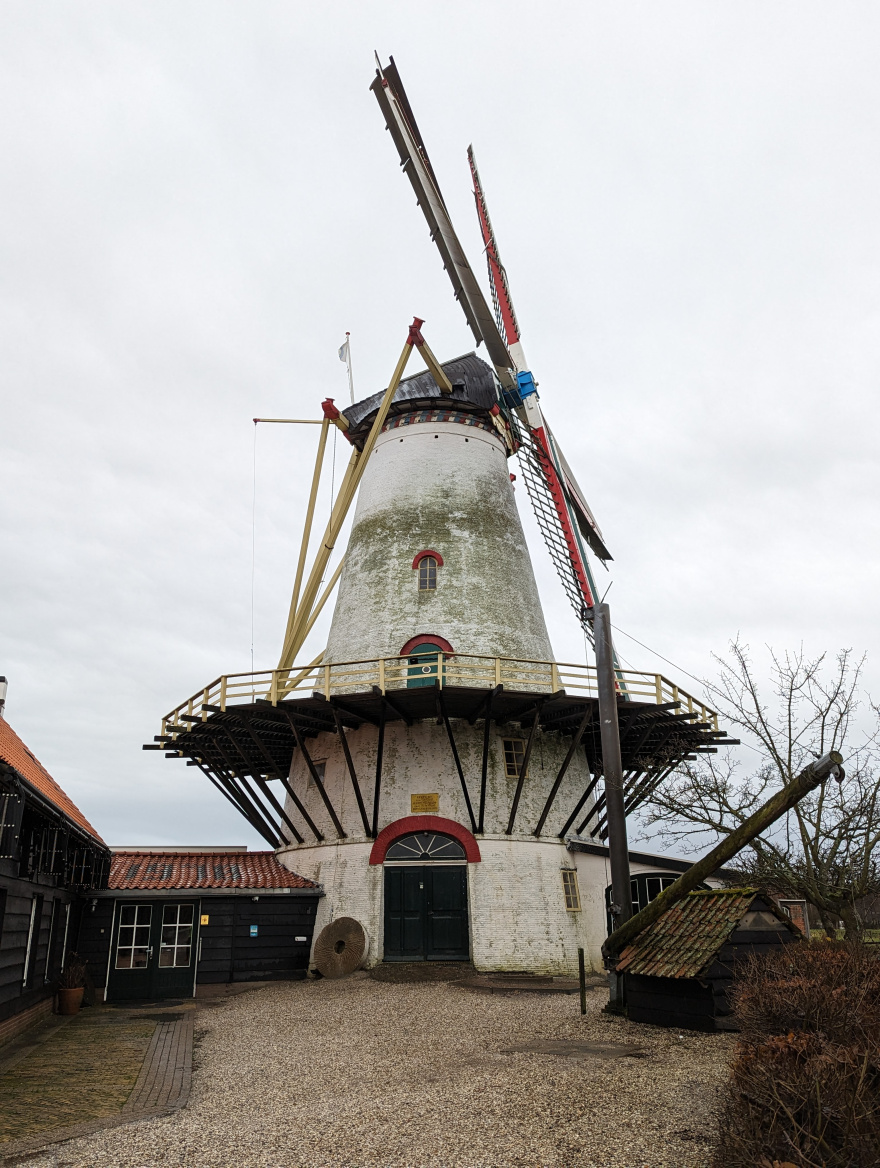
357 1073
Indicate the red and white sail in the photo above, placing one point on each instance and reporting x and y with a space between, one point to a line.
563 515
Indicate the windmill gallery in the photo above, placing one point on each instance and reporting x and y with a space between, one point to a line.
435 770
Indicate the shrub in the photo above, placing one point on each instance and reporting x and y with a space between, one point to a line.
74 973
805 1080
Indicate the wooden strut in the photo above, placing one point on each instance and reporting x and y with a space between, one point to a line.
275 769
301 612
245 793
380 746
762 819
484 770
271 838
316 778
464 787
310 512
575 743
263 786
340 730
522 771
398 709
591 786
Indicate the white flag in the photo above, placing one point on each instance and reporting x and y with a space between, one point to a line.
343 351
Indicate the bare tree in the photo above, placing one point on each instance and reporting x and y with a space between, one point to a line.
824 850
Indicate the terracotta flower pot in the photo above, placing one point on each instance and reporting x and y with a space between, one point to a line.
69 1001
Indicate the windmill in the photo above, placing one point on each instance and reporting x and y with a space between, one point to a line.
435 753
564 518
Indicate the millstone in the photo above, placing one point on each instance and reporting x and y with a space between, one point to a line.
340 947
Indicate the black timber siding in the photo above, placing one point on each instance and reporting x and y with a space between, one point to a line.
93 940
227 952
16 898
230 953
670 1001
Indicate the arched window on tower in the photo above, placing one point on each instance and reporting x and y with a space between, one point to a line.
426 564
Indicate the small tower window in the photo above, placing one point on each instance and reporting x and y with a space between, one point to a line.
426 564
571 890
514 753
427 574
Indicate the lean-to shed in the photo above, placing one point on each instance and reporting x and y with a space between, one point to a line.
678 972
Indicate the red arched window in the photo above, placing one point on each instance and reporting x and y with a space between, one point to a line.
427 563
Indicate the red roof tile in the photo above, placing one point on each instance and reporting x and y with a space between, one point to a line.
157 870
684 941
14 752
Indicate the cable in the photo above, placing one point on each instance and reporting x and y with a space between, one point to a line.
253 542
680 668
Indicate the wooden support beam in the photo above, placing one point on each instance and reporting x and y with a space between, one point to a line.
464 787
340 730
316 779
380 746
395 706
484 770
299 614
522 771
256 798
246 805
575 743
435 368
591 786
270 795
354 712
246 791
310 512
285 782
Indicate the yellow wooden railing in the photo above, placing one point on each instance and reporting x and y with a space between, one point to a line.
458 669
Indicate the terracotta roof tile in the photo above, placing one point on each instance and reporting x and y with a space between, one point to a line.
684 941
157 870
14 752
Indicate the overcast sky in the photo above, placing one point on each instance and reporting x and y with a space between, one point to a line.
199 199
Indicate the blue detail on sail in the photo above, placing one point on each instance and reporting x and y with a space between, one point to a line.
525 383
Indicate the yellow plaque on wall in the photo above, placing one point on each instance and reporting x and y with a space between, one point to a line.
205 918
423 803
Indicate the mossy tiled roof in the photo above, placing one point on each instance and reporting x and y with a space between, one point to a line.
684 941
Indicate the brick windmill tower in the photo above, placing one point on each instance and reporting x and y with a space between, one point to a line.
435 768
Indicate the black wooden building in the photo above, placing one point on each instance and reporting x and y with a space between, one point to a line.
678 972
174 918
50 858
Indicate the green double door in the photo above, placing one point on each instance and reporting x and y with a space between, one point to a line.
154 950
426 917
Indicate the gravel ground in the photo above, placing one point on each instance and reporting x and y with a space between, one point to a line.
356 1073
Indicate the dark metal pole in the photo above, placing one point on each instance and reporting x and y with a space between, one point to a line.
612 769
582 973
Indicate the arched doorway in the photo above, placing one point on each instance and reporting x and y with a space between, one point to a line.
427 654
426 915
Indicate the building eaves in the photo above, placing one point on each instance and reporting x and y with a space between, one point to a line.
32 772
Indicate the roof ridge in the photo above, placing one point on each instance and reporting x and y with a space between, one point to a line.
21 758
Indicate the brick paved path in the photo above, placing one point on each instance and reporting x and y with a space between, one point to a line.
102 1068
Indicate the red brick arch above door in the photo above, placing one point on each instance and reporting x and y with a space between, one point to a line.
410 824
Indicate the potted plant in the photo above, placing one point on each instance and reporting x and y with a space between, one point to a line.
71 985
